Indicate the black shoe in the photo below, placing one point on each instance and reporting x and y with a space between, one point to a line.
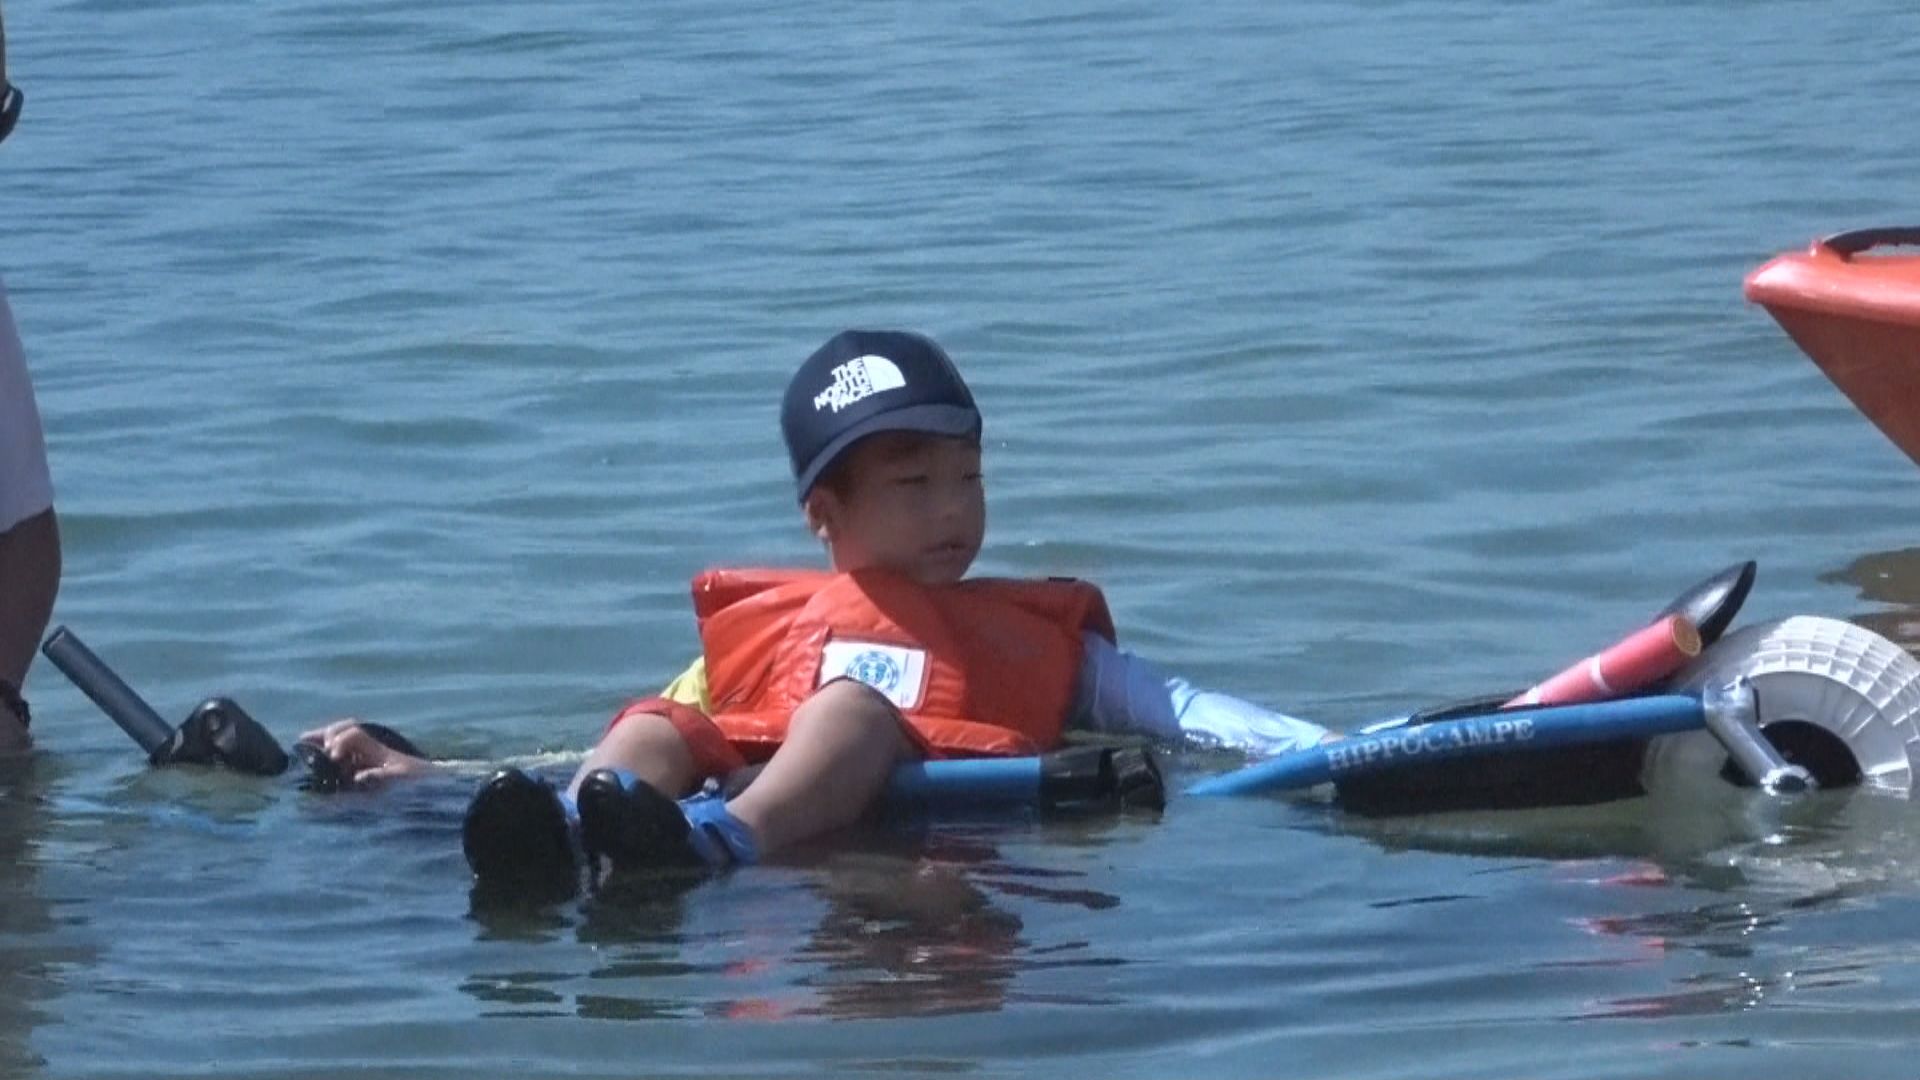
517 840
633 825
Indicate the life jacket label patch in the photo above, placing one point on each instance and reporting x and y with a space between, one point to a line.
900 674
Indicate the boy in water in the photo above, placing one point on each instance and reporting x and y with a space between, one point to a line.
826 680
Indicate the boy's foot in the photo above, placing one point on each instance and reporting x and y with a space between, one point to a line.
632 824
517 837
635 826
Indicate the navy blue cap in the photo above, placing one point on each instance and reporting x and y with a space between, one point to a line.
863 382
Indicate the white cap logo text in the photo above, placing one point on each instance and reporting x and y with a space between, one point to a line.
858 378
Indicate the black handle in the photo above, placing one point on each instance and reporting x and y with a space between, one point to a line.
1124 776
114 697
1848 244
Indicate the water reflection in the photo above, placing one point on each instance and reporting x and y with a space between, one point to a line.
904 936
1731 957
1764 928
1715 901
921 934
1669 824
896 924
30 956
1887 577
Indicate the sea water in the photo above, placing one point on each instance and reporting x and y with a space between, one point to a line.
404 360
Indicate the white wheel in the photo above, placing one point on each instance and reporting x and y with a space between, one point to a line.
1827 691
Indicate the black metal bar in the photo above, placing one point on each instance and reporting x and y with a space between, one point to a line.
115 698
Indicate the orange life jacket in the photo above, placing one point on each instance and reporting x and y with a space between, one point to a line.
985 667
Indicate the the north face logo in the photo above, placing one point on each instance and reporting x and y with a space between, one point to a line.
859 378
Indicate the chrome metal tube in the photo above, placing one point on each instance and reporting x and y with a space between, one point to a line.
1733 716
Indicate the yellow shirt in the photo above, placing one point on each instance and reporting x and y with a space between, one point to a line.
690 687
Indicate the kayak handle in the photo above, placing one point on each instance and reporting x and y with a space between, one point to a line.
1848 244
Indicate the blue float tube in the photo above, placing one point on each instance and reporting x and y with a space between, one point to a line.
1085 776
974 781
1500 732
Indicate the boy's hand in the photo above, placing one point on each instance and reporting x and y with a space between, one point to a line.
363 759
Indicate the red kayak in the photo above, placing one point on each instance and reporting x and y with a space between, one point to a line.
1858 316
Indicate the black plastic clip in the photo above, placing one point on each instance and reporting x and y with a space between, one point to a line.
1118 777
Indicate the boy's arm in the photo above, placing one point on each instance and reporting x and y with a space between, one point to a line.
1120 693
363 758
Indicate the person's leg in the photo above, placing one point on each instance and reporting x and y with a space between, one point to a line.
521 833
29 579
841 745
647 746
29 535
